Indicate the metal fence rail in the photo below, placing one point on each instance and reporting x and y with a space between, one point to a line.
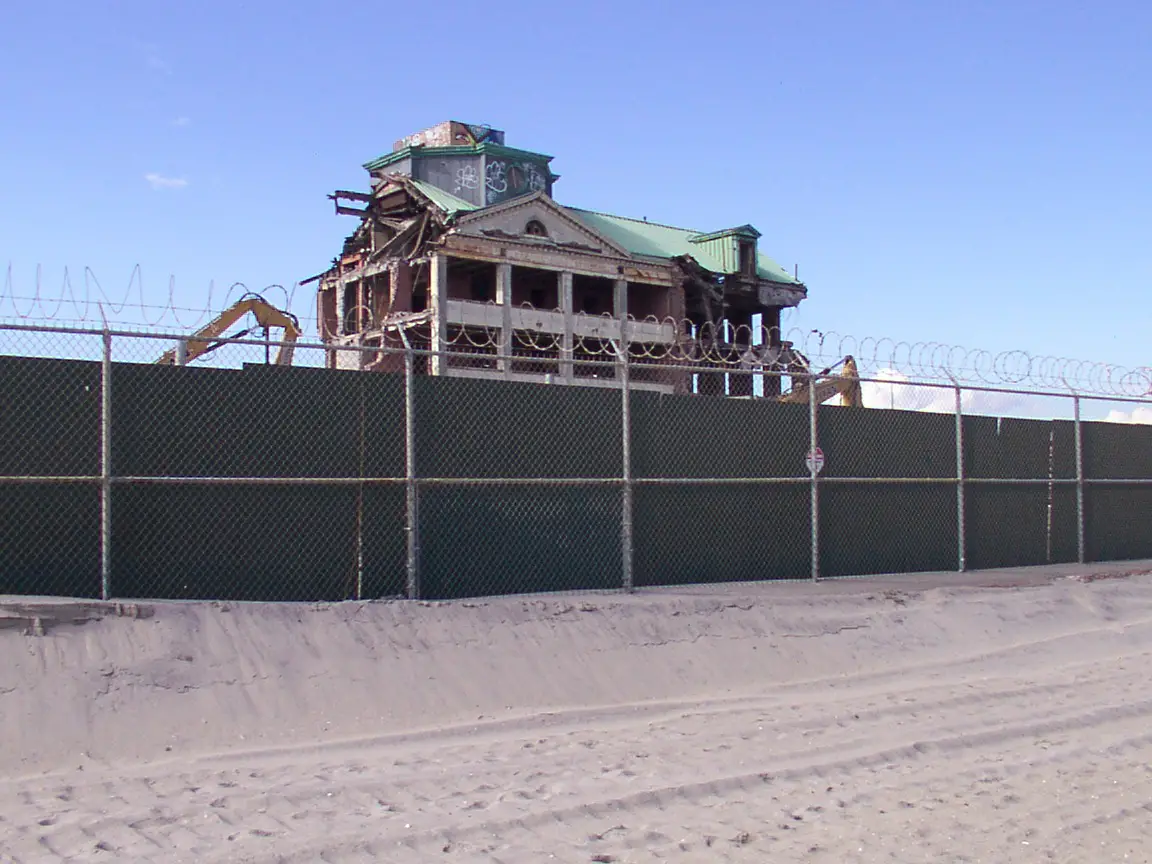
328 484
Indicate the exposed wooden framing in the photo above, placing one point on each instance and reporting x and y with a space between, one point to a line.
420 234
393 198
394 224
394 246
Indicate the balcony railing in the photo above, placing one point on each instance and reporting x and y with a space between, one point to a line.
471 313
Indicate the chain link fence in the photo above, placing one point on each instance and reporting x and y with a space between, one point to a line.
235 478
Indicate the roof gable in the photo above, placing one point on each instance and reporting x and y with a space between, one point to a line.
510 218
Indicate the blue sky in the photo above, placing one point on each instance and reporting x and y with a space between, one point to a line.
962 172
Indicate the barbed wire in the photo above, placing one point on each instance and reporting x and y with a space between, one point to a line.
84 301
669 340
651 339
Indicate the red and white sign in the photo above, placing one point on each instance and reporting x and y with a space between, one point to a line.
815 460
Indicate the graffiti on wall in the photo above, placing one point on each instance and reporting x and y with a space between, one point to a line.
452 134
507 179
460 175
434 137
478 135
496 179
467 177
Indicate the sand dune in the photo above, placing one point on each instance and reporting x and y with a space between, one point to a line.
994 717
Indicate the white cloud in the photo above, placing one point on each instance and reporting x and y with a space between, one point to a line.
159 182
155 61
1139 414
892 390
182 121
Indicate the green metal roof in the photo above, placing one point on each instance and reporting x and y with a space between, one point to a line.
446 201
664 241
649 239
741 231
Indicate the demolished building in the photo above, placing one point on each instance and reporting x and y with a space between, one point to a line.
461 250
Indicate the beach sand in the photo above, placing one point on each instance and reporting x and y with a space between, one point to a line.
1003 716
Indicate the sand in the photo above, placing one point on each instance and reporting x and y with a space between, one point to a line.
994 717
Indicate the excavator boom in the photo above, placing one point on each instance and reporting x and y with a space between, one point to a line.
267 316
845 384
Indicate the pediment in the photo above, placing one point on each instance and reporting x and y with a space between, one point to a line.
510 220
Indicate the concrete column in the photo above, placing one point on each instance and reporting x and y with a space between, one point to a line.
771 327
504 298
677 311
567 371
326 312
342 289
620 298
438 306
676 304
711 382
620 311
740 383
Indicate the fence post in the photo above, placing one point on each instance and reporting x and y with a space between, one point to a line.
626 466
412 569
360 488
813 481
1079 479
961 548
106 468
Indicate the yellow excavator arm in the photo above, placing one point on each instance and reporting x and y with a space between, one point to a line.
267 316
846 383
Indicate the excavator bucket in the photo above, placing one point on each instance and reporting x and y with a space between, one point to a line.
851 394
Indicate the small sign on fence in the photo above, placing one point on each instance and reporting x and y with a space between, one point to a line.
815 460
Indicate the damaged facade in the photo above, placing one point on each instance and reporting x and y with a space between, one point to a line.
461 249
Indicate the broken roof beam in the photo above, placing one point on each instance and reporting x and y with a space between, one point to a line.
343 195
420 236
411 228
394 224
401 182
363 197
